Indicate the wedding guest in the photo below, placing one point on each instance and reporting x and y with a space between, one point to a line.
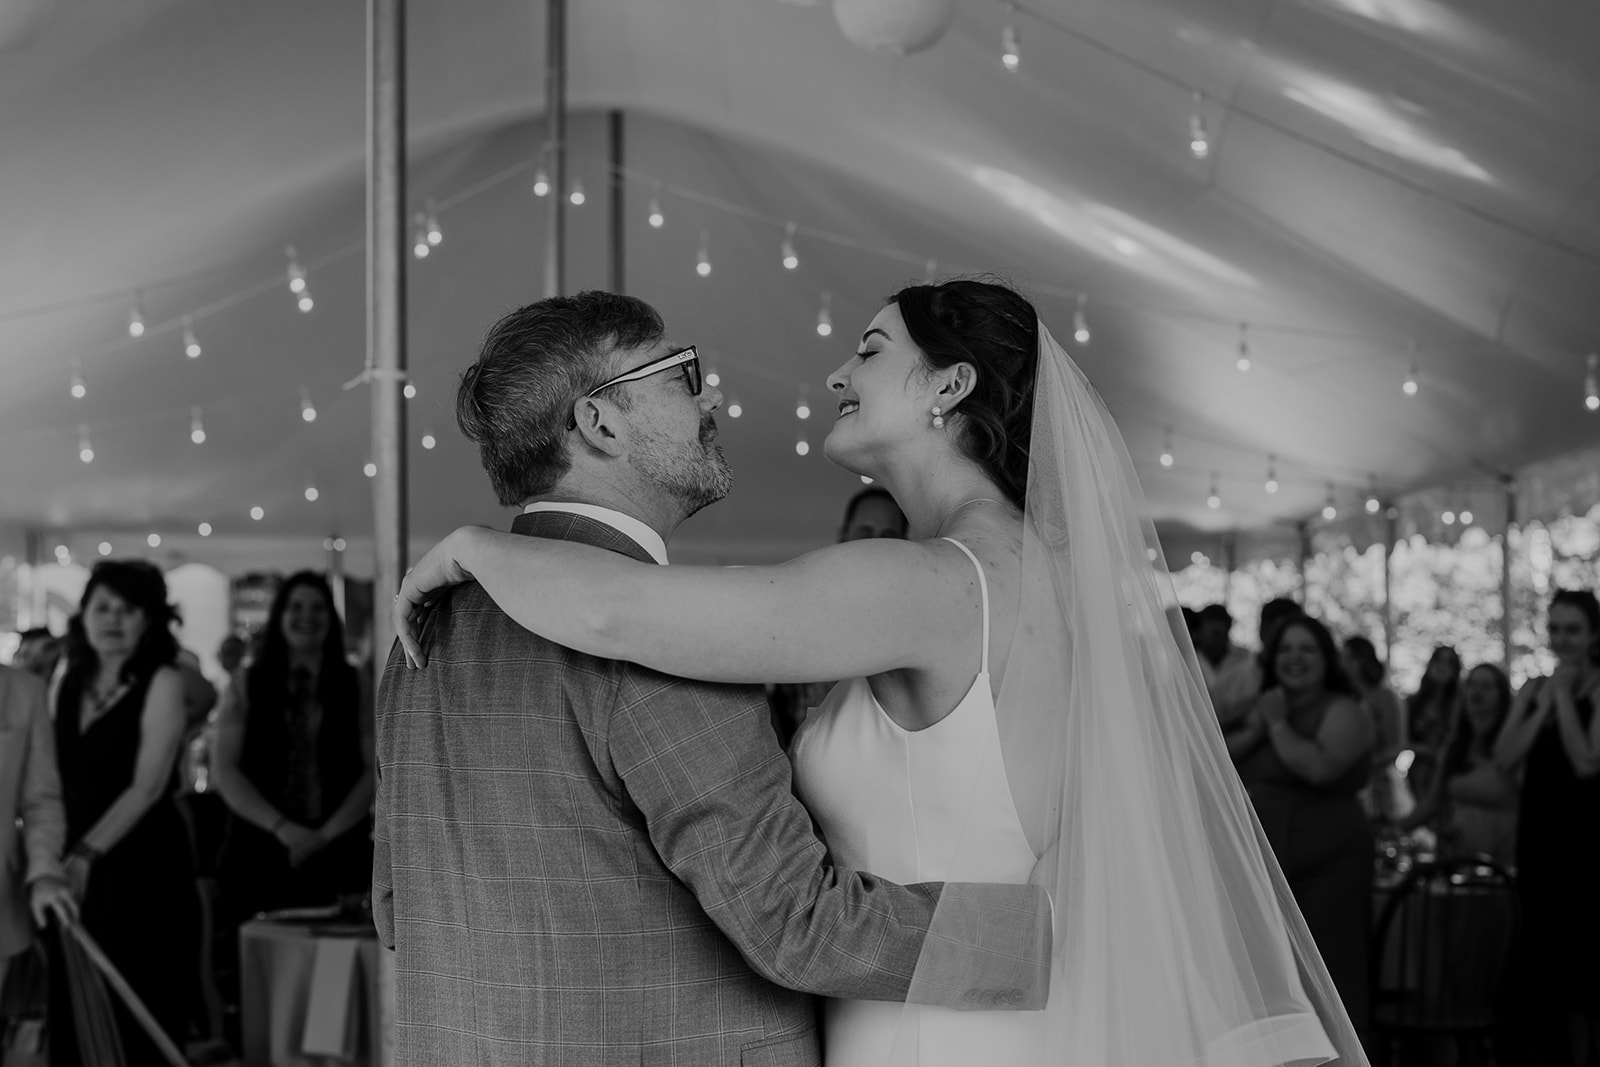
1309 743
33 824
1370 676
1432 708
38 651
1472 805
1553 738
1234 703
199 695
231 653
1229 670
293 760
119 721
872 512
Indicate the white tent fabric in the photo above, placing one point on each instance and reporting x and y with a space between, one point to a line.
1387 180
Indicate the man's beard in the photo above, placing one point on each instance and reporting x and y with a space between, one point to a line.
697 473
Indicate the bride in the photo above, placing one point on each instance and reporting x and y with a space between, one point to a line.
1021 704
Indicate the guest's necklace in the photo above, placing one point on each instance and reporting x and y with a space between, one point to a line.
103 698
958 508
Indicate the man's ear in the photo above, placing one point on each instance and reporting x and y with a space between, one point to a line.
599 426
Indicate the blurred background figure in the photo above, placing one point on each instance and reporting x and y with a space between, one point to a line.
1429 713
1553 739
1245 683
231 653
119 722
33 824
293 761
1389 796
38 651
1229 670
1472 804
870 513
1303 756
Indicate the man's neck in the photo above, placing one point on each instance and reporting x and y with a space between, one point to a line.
659 518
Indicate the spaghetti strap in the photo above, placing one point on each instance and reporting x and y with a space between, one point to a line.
983 591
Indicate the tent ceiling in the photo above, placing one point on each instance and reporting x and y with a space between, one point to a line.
1383 173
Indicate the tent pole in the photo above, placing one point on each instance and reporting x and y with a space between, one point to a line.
35 601
1390 524
1505 575
336 578
618 210
1303 540
386 307
555 102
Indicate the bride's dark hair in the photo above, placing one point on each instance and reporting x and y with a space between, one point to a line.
996 330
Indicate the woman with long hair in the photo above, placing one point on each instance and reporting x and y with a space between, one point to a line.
1472 804
1431 710
293 761
119 722
1370 676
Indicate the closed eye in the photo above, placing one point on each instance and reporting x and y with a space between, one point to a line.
868 352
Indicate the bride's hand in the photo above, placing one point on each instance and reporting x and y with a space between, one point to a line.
438 570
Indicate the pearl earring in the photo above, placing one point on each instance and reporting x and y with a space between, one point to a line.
938 417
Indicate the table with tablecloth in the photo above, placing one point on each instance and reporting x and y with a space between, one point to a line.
315 991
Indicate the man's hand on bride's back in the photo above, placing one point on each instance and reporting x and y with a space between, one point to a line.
438 569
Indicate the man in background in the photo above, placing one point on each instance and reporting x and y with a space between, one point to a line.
1234 700
37 653
870 513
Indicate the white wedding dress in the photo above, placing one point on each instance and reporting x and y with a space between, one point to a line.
902 805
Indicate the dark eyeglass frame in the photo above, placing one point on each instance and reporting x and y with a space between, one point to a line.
684 357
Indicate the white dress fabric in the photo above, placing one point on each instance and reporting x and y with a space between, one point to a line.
903 804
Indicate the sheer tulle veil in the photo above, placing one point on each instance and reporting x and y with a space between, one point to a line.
1176 940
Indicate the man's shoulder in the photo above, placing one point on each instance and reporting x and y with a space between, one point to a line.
20 692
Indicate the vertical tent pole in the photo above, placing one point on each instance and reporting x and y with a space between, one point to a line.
1506 612
36 601
555 102
336 581
619 228
1390 525
1303 539
386 307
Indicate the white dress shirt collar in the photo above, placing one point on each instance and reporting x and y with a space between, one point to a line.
627 525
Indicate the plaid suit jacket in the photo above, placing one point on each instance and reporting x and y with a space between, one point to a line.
585 862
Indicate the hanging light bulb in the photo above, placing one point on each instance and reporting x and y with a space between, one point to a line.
432 230
78 387
577 198
1214 500
1329 511
802 407
1010 47
541 182
702 265
154 540
197 428
1591 384
419 241
297 273
790 260
191 343
713 379
825 316
1448 518
308 411
63 555
1466 518
1166 449
1272 474
105 548
802 447
1080 323
258 513
85 449
1199 143
428 440
1373 503
204 529
136 319
1242 362
735 409
311 493
370 469
409 390
1409 386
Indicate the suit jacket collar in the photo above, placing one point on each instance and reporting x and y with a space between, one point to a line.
565 526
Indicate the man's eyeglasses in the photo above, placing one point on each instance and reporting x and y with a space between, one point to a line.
687 358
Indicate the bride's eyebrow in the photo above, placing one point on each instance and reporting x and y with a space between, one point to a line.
877 331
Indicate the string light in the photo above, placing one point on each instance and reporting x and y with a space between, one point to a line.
258 513
63 555
154 540
735 409
409 390
85 449
1080 322
1242 363
433 232
1448 518
136 320
702 264
1272 475
802 447
541 182
1373 503
1329 511
370 470
1214 500
78 387
825 316
339 544
802 408
204 529
105 548
419 242
297 273
1010 47
713 379
308 411
1466 518
191 343
790 260
1591 383
656 218
1199 143
312 493
577 198
1166 448
1409 386
197 428
428 440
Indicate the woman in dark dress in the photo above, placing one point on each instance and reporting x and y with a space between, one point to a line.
1553 737
1303 757
119 723
293 761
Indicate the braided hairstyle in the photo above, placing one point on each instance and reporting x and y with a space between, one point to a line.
995 329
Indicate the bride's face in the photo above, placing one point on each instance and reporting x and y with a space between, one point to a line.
884 398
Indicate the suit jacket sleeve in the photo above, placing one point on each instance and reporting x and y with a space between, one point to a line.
44 820
703 767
